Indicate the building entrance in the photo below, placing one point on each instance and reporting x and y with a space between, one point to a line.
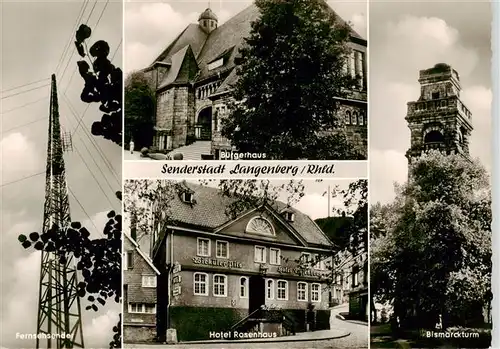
257 293
205 125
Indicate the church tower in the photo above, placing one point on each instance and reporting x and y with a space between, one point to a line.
208 21
439 119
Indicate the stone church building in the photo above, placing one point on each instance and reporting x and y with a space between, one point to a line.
193 78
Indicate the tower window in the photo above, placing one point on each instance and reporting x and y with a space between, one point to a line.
434 137
348 117
435 95
354 119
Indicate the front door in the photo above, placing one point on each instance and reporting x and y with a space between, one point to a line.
257 293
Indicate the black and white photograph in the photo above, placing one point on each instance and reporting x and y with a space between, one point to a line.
61 164
245 264
246 80
430 195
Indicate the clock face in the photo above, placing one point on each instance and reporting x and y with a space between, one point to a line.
260 226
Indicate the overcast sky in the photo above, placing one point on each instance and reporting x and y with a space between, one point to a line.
33 38
150 26
406 37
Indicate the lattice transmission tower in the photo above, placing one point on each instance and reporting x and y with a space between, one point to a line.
59 323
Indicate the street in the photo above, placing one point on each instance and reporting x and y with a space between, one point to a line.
358 338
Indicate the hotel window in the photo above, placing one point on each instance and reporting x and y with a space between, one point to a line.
301 291
187 197
348 117
220 285
305 258
222 249
269 289
149 281
275 256
200 286
203 247
282 290
243 287
355 275
142 308
260 254
315 293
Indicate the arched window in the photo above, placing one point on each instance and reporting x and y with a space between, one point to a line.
361 119
243 287
354 118
433 137
269 289
260 225
348 117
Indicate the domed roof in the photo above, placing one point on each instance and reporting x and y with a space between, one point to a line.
208 14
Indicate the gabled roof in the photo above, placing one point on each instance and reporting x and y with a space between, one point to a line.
145 257
183 68
230 36
209 212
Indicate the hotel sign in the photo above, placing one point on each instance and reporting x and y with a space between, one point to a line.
217 263
301 271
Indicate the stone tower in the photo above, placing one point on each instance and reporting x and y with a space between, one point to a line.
208 21
439 119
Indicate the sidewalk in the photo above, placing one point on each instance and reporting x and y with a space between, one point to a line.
299 337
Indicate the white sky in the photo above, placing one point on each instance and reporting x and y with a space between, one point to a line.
406 37
33 38
150 26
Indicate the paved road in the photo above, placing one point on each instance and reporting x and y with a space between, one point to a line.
358 339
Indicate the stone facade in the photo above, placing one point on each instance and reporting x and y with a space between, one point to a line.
439 119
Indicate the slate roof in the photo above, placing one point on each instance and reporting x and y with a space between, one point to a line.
209 47
209 212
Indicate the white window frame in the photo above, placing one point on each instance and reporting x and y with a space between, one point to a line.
147 277
278 290
206 284
185 195
143 308
263 255
131 254
244 287
269 288
278 256
319 292
227 249
198 247
214 284
306 298
306 260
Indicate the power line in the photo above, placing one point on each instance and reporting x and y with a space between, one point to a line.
84 211
21 92
74 48
23 125
72 33
92 141
24 105
21 179
18 87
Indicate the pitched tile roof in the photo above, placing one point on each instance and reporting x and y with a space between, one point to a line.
229 36
209 211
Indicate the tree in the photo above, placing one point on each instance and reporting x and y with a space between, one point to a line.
139 110
289 74
103 84
432 252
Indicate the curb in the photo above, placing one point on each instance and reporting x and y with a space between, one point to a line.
259 340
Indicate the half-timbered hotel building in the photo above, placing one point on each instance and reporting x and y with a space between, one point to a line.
264 271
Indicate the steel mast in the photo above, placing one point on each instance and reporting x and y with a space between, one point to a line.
59 323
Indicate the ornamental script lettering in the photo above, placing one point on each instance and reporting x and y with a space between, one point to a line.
300 271
217 263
